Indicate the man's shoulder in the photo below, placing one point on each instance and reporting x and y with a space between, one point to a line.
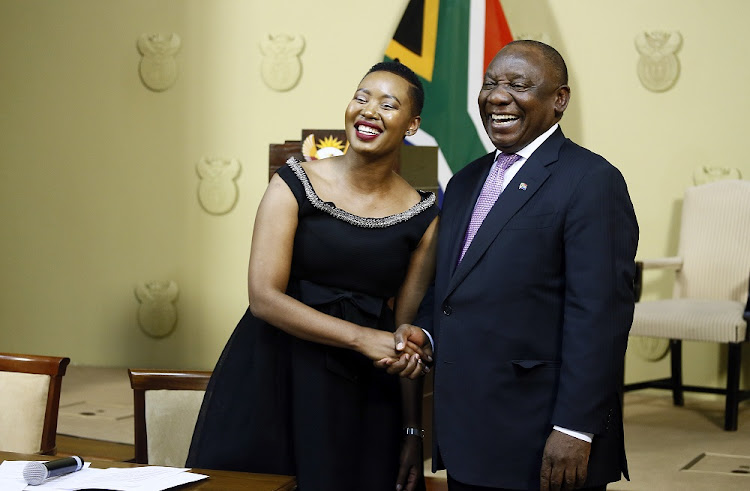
575 159
575 153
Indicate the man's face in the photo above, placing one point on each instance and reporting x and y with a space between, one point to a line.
521 97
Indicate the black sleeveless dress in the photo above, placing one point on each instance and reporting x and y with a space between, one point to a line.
278 404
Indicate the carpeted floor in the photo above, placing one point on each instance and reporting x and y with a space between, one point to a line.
669 448
661 440
96 403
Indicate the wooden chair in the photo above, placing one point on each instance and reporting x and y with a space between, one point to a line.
710 300
166 406
30 387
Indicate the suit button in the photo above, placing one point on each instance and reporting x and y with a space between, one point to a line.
447 309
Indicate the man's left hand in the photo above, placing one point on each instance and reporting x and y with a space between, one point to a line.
565 462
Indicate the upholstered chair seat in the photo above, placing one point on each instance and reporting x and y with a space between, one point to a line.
716 321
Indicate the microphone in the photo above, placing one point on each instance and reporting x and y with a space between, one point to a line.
35 473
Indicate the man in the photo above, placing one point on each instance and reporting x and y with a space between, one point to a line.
532 303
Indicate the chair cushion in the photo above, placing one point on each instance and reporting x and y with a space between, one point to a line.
719 321
23 404
170 420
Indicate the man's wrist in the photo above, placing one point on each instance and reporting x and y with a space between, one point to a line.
429 336
414 431
587 437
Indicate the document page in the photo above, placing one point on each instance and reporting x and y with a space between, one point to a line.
150 478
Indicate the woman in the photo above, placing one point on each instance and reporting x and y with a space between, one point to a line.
342 252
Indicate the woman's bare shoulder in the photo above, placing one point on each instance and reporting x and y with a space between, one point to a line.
404 189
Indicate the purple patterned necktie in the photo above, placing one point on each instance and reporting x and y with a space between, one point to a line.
492 188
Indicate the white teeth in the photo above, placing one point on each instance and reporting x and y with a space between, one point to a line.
368 130
503 117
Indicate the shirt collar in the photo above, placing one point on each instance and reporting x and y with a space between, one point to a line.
526 151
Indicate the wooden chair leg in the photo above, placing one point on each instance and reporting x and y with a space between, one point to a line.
733 386
675 357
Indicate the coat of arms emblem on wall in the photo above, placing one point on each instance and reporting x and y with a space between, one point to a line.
217 190
157 314
158 68
658 66
281 67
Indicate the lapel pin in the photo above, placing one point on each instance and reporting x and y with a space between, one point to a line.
522 186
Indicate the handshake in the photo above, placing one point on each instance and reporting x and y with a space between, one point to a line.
413 353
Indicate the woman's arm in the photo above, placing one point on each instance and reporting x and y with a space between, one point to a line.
418 278
419 275
268 276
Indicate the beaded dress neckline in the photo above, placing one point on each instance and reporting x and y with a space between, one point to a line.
428 199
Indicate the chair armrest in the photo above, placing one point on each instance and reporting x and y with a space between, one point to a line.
746 314
674 263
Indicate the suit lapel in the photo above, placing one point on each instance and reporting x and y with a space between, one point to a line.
533 173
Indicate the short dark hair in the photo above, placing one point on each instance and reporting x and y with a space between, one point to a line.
550 54
403 71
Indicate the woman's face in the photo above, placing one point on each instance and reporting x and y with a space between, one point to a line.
380 114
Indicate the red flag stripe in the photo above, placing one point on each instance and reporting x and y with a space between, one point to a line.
496 31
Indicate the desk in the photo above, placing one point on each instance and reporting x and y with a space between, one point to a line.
217 480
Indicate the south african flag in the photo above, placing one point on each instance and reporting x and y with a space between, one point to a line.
449 44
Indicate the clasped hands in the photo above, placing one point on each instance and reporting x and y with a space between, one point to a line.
413 350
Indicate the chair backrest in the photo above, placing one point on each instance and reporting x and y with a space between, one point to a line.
715 242
166 405
29 402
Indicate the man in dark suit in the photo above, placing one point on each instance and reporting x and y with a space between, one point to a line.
533 303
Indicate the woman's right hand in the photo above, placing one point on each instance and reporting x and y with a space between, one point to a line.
378 345
414 353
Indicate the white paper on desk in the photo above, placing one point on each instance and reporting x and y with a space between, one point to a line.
12 484
152 478
11 476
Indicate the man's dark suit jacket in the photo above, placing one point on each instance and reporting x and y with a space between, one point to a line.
531 327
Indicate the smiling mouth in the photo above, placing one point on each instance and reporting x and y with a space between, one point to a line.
367 130
503 118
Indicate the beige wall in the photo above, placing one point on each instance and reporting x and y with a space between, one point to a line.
97 173
98 183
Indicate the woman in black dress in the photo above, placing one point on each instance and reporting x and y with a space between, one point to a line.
342 252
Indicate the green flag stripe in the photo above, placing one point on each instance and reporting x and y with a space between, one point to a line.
445 116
